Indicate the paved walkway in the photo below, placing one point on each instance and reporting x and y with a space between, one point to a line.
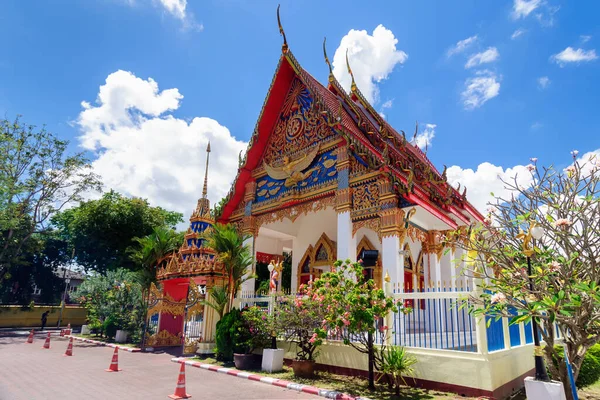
29 372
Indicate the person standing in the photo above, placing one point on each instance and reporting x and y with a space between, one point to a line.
44 319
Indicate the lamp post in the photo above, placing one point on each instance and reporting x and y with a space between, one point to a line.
535 232
64 299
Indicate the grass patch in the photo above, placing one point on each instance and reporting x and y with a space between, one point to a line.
353 386
591 392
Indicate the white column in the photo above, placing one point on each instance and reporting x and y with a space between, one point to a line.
297 253
248 286
346 242
392 261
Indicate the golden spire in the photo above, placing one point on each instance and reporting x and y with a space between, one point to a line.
353 87
326 58
284 47
205 189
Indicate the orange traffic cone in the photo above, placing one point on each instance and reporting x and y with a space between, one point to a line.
47 342
180 388
62 332
69 351
69 328
114 364
30 338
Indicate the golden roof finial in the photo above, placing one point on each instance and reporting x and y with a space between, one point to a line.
205 188
353 86
387 277
326 58
284 47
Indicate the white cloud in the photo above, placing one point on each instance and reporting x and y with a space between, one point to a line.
425 137
487 56
461 45
522 8
536 125
543 82
571 55
372 58
142 150
387 104
487 179
546 17
517 33
585 38
590 161
480 88
175 7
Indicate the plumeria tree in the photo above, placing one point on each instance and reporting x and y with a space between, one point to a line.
354 310
299 319
561 208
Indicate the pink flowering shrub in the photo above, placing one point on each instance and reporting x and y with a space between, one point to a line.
299 319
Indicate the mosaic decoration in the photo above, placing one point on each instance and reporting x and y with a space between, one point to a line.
373 224
294 212
365 200
321 171
300 126
195 298
163 339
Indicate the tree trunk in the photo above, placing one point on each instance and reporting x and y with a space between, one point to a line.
564 378
371 360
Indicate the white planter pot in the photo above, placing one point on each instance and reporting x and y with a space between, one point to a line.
121 336
538 390
272 360
85 330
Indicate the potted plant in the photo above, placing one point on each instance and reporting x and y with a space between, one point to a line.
299 319
253 334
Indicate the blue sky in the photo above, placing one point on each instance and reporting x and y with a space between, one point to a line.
198 70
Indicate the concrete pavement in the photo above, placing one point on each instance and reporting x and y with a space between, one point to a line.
29 372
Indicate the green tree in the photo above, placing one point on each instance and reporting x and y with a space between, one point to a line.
235 256
562 208
42 255
219 299
37 179
103 230
354 308
150 250
115 297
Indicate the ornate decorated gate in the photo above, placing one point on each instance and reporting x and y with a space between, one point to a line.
194 317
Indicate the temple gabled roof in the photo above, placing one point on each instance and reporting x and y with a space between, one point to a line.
369 138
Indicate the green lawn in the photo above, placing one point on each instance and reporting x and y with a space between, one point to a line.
590 392
346 384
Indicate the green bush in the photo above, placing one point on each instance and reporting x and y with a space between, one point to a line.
110 327
231 336
595 351
590 367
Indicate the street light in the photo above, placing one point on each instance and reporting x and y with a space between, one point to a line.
536 232
64 299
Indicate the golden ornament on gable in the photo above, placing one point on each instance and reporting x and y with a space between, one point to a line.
291 170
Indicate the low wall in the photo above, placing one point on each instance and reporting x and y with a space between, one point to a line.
494 375
17 316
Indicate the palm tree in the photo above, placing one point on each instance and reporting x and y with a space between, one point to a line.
235 256
151 250
219 299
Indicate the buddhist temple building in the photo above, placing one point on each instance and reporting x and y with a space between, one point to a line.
325 177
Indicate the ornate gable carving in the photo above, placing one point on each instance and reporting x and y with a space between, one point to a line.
299 157
300 126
